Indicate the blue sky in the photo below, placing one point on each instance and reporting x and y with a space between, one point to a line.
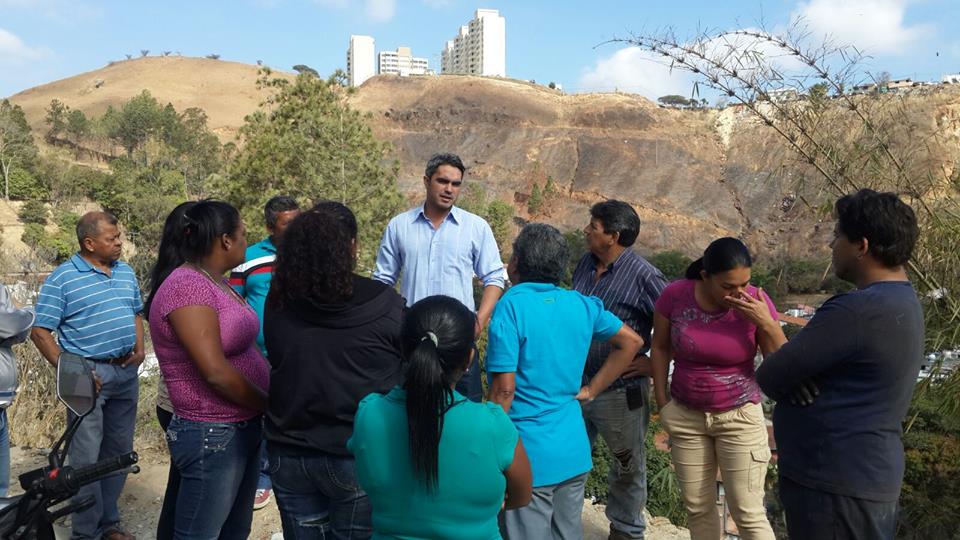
46 40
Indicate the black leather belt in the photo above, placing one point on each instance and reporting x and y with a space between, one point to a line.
115 361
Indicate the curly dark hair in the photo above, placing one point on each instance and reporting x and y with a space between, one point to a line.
316 259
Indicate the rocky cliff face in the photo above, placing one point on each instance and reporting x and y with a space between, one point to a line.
691 175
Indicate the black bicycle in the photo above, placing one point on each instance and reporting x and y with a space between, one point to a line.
30 516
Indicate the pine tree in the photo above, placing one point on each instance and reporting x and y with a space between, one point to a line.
535 202
308 143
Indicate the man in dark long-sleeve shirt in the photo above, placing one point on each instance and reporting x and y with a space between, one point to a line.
844 383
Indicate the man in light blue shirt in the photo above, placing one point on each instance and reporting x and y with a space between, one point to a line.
438 248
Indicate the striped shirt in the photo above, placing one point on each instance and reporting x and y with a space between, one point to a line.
92 313
252 279
629 289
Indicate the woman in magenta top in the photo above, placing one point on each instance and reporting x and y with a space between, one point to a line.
205 335
711 325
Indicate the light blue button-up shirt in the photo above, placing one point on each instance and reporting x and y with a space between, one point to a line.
430 261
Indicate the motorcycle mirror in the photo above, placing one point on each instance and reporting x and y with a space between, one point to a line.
76 387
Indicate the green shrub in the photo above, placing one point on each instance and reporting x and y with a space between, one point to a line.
65 220
58 247
672 263
33 234
930 498
24 185
33 212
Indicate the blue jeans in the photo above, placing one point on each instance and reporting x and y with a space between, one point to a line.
168 511
318 495
4 453
218 464
624 430
470 385
104 433
263 479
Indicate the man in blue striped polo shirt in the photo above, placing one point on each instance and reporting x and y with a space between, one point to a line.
93 303
629 286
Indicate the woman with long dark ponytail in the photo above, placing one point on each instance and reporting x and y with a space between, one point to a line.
434 464
711 326
205 335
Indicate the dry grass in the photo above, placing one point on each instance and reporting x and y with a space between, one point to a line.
37 419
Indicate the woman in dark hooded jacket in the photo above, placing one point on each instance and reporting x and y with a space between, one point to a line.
332 337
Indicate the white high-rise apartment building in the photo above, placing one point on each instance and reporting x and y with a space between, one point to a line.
360 60
401 62
480 47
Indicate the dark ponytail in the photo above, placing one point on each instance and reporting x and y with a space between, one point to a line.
203 225
169 254
693 271
722 255
189 233
437 338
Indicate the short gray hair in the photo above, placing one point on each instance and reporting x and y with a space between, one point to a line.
541 254
88 226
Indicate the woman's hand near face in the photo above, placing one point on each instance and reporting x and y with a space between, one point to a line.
755 309
770 335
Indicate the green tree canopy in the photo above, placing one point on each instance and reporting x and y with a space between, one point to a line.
56 118
77 125
304 69
308 143
135 122
675 100
535 202
16 142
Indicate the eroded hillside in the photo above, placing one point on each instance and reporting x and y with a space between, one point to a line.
692 175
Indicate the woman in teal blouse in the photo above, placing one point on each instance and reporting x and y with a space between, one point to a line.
434 464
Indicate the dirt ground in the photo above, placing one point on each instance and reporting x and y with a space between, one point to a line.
142 496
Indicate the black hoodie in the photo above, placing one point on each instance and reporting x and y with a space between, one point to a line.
324 359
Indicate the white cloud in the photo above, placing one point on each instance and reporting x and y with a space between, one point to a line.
638 71
65 11
873 26
13 51
380 10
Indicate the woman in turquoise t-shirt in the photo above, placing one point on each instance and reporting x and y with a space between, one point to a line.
435 465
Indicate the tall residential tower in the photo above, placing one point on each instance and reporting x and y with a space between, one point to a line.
480 47
360 60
